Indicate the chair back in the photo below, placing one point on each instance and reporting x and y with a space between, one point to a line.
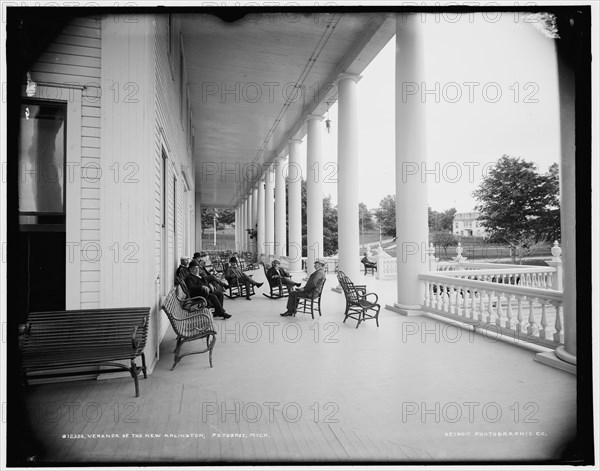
350 291
319 288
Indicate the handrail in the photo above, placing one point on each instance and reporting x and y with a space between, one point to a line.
549 294
500 271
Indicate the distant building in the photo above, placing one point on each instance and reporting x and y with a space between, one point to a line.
466 224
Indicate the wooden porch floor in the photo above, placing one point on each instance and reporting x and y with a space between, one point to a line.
294 390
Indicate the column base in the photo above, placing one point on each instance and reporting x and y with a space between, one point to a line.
406 309
552 359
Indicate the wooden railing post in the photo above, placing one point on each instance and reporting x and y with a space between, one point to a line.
556 262
431 257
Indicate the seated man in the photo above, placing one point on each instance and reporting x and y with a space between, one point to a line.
308 290
276 273
368 263
233 272
209 275
182 270
198 286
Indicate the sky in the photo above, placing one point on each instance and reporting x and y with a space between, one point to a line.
490 89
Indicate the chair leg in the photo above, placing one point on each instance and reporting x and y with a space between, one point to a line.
144 365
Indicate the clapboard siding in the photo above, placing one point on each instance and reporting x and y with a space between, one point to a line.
75 50
73 57
171 137
64 58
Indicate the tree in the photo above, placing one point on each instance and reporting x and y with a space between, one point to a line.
443 240
365 218
224 217
440 222
518 205
330 227
386 215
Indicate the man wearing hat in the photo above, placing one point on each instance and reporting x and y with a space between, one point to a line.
308 289
208 272
198 286
277 273
233 272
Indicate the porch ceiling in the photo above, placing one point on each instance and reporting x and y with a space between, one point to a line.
243 78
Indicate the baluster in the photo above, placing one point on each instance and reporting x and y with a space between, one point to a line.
480 313
531 320
466 299
446 299
543 321
452 299
499 310
557 323
439 296
490 306
509 313
519 326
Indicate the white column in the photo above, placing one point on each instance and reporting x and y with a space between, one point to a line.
411 151
249 224
565 356
280 231
348 176
236 234
260 219
294 181
314 191
269 214
254 220
198 222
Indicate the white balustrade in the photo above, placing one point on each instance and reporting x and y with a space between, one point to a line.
526 313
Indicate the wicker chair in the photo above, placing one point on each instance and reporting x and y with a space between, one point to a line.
188 326
358 307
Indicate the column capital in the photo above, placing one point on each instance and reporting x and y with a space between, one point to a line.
355 77
314 116
279 160
295 140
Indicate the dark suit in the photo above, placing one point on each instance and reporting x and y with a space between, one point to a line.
216 284
233 272
197 286
274 275
307 291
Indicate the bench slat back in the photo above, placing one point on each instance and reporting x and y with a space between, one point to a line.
94 328
178 316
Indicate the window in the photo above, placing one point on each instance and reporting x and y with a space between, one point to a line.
171 45
182 81
164 189
42 158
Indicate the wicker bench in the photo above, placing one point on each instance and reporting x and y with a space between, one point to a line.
84 338
189 325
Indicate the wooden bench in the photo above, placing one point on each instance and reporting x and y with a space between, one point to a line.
189 325
54 340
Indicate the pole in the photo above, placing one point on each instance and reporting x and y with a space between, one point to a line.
215 229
